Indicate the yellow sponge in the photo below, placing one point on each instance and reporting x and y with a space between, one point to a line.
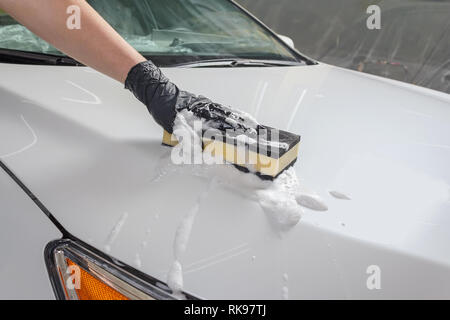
267 160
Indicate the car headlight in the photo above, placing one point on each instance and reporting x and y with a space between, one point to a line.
79 272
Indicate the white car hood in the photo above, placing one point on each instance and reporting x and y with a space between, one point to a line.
90 153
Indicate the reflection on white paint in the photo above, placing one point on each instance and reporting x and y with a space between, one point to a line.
260 97
439 146
31 144
215 257
95 101
238 253
89 70
297 106
416 113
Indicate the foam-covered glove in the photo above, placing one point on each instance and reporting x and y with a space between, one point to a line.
164 100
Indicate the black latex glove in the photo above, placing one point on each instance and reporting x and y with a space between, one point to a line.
164 99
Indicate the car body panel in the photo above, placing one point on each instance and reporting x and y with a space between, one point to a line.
93 156
24 232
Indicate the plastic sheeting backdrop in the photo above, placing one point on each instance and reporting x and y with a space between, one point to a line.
413 44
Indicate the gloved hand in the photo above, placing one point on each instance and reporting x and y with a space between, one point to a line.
164 100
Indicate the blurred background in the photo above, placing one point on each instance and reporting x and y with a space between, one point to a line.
413 44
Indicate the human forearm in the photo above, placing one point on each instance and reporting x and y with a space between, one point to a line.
99 46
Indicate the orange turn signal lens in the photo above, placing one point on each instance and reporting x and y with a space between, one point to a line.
80 272
91 288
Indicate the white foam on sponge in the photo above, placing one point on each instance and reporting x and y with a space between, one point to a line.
184 124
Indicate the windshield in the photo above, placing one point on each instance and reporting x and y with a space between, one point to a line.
171 31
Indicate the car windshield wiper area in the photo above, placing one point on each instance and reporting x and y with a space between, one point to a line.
36 58
232 63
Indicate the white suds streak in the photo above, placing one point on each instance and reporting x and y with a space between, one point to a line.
311 201
115 231
175 276
175 279
137 260
285 288
339 195
184 231
31 144
96 100
182 235
285 293
142 246
297 106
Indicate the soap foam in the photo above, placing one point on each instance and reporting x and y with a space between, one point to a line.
175 279
182 235
115 232
339 195
311 201
278 200
281 199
